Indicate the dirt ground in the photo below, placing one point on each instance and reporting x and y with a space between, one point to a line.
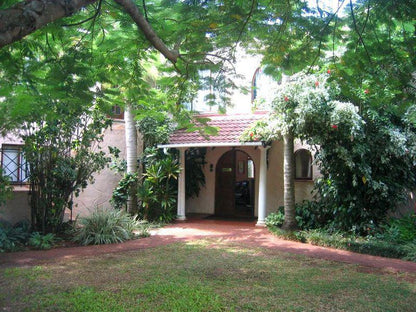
241 232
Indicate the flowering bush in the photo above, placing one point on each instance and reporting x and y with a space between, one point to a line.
366 158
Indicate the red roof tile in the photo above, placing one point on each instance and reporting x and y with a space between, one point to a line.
230 129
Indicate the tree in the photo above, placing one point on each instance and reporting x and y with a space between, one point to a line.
26 17
289 182
366 158
62 159
132 155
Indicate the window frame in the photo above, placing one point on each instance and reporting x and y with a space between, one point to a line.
114 114
297 152
17 147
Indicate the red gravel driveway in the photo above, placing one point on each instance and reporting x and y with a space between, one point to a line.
244 233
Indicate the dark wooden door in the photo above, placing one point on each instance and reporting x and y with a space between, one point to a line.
225 184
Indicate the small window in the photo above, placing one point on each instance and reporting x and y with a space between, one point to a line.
262 87
13 164
303 165
117 112
250 169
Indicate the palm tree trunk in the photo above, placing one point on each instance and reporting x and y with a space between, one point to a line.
289 183
131 155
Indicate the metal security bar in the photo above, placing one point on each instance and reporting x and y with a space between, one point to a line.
14 165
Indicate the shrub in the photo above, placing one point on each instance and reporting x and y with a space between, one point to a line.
312 215
121 192
13 237
158 192
39 241
289 235
410 250
378 248
321 237
275 218
400 230
106 226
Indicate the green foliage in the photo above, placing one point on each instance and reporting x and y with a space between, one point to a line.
194 174
357 244
275 218
121 191
155 129
106 226
13 238
347 241
297 236
62 155
158 191
40 241
399 230
118 164
5 188
366 158
313 215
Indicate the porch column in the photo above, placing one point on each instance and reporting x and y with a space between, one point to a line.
262 186
181 186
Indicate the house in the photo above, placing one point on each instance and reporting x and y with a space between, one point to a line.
98 194
243 179
14 166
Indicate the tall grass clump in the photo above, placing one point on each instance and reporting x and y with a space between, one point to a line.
107 226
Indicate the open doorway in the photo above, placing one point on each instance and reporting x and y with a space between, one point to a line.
234 185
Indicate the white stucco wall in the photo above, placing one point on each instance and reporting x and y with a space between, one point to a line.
17 207
99 193
205 202
96 194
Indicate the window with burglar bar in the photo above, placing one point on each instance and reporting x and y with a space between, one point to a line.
13 164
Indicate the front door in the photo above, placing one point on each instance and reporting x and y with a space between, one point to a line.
234 186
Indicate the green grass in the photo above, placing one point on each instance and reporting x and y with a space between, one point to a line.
206 275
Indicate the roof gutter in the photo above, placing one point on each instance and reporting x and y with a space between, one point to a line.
184 145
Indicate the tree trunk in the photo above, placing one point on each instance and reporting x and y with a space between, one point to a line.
131 155
289 183
26 17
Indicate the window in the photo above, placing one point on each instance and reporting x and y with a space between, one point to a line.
13 164
250 169
262 87
303 165
117 112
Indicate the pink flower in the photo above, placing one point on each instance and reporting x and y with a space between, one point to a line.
334 127
286 99
366 91
316 83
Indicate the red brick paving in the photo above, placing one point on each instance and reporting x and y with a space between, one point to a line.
245 233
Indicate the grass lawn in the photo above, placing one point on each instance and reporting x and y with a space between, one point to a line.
206 275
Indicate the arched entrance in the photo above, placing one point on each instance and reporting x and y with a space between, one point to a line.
234 185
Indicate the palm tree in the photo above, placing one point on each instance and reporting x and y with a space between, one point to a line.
289 182
131 154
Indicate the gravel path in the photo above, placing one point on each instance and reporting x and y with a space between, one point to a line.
245 233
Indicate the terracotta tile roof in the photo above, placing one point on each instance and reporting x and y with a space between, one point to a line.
230 129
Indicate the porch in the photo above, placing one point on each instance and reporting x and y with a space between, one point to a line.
236 172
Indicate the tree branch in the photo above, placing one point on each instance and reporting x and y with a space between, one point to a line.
359 33
131 8
26 17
